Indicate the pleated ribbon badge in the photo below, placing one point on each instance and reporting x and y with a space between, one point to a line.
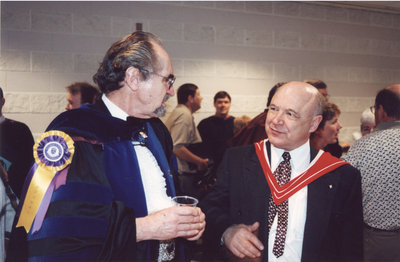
53 153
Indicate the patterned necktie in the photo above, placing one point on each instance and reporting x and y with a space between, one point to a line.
282 175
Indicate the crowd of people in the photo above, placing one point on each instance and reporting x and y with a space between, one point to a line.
100 182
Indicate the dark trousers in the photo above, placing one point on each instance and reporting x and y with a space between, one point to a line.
381 245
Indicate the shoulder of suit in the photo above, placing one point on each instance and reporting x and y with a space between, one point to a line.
347 171
241 149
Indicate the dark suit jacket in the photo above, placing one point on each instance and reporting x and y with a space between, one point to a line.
16 145
333 227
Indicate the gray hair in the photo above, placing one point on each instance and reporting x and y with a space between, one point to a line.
320 100
367 116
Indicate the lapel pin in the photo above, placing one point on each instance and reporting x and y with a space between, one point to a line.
143 134
330 186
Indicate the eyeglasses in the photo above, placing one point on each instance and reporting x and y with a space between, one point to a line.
366 128
170 80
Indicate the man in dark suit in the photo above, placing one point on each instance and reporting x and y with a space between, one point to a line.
16 145
316 216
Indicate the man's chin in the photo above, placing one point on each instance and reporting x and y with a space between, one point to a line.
161 111
276 141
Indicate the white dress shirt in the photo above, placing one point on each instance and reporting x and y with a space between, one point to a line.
154 184
300 159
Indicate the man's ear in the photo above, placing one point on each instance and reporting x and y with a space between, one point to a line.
383 113
132 78
190 98
3 100
315 122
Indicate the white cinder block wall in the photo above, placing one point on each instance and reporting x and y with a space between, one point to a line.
241 47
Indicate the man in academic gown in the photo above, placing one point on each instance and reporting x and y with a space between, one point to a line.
246 213
112 163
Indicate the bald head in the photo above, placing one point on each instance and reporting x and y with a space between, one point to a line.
395 88
309 96
294 113
387 104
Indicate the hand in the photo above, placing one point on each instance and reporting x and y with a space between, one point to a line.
202 228
169 223
202 164
242 241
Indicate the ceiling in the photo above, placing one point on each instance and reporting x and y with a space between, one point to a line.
381 6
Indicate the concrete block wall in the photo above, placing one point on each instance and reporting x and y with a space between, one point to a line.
241 47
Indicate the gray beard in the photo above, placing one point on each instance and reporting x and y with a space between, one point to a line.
160 112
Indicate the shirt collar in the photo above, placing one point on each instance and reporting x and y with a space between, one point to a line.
299 157
2 119
388 125
114 109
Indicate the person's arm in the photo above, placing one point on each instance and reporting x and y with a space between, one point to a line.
184 154
180 136
9 218
240 239
125 230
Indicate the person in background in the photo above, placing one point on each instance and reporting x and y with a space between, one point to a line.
187 140
217 129
328 130
335 148
367 123
377 156
240 122
80 93
16 145
320 85
254 131
7 208
307 209
112 163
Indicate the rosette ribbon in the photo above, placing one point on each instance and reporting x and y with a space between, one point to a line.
53 154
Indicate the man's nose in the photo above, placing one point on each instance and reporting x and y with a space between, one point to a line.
278 118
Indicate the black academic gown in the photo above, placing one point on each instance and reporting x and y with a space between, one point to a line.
92 217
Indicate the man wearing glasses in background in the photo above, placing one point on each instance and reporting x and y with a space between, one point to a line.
113 201
377 156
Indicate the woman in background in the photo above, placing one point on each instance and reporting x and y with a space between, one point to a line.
328 130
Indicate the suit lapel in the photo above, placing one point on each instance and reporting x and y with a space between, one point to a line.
320 196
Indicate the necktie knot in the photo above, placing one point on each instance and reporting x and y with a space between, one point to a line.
286 156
